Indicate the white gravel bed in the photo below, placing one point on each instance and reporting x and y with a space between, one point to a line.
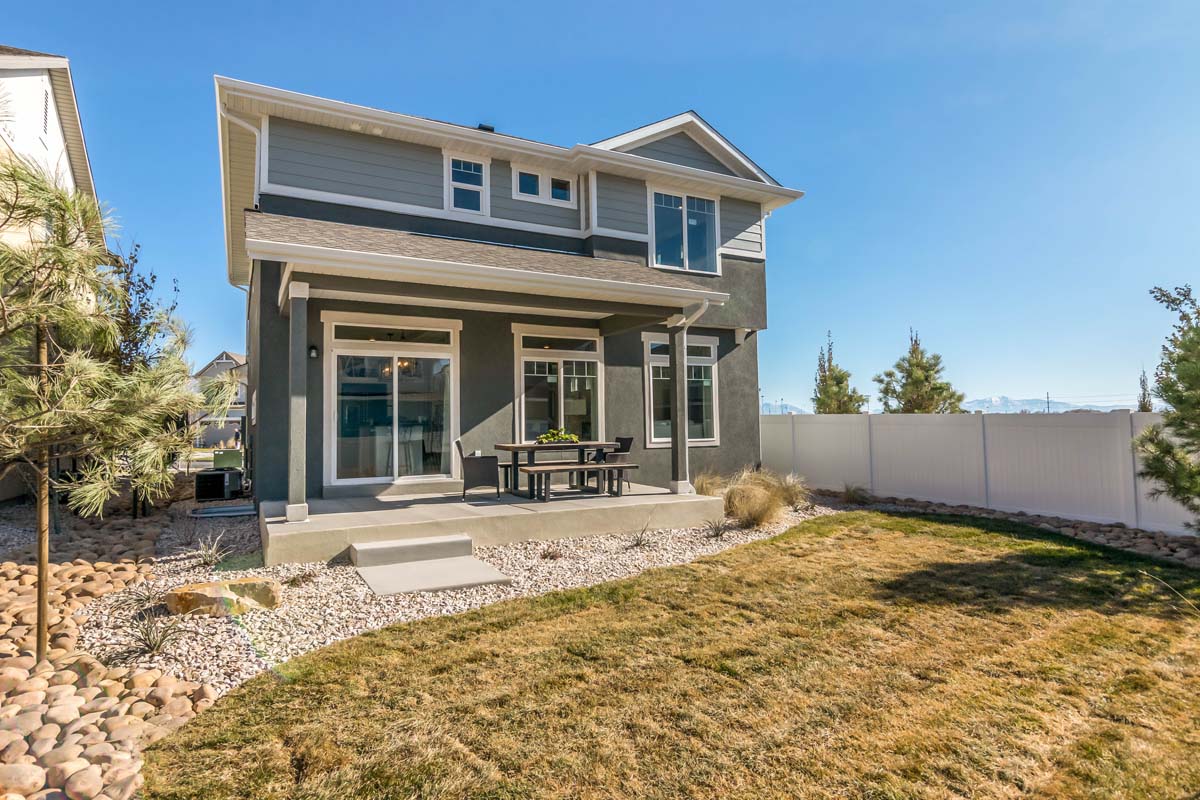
325 603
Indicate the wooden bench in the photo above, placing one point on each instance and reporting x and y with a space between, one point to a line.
603 470
506 470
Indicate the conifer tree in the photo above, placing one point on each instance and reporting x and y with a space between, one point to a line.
915 384
64 396
1144 403
1171 451
832 392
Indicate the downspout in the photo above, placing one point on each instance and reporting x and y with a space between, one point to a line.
686 483
225 115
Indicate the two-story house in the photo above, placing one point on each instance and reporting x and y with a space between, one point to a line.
223 431
414 282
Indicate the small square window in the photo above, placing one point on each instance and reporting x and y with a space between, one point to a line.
560 189
528 183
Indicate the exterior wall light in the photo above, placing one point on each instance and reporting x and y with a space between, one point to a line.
313 352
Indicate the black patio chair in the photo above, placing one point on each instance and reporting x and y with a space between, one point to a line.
624 445
478 470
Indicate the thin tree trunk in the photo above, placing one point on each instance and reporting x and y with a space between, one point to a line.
43 509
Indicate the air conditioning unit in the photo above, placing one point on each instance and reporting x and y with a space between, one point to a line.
218 484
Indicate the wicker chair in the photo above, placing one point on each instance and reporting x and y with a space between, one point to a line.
478 470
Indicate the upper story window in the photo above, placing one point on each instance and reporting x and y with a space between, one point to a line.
540 186
467 185
684 234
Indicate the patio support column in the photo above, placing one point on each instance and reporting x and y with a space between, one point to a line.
297 502
677 365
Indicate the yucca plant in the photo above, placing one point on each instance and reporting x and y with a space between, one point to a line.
716 528
137 598
150 634
209 551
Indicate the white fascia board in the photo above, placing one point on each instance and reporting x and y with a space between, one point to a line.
770 195
682 122
33 62
455 273
453 134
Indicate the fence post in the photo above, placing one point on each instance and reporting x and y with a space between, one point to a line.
987 483
1137 496
792 424
1129 503
870 456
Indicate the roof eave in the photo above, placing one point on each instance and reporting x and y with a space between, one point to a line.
457 273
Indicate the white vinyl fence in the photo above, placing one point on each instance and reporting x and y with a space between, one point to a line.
1079 466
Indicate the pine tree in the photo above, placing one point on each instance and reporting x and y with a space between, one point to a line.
832 393
915 385
1171 451
63 393
1144 403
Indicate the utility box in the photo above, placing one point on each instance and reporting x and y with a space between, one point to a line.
218 484
227 458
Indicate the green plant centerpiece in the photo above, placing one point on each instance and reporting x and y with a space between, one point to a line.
557 436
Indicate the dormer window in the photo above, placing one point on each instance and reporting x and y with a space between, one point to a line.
540 186
467 185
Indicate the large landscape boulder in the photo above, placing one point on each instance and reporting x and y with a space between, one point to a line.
224 598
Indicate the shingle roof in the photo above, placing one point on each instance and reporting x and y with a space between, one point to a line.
357 238
5 50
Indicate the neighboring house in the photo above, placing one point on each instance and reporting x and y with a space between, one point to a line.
39 122
413 282
226 430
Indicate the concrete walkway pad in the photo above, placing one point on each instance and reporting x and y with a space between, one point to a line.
434 575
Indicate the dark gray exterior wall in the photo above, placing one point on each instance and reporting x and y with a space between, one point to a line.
486 365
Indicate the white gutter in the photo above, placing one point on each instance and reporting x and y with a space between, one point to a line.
225 115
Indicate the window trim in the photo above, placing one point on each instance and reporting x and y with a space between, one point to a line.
335 347
683 194
522 354
544 177
449 184
649 361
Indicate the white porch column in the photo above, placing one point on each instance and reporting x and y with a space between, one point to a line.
297 503
677 365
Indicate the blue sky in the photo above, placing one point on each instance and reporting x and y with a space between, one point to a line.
1010 179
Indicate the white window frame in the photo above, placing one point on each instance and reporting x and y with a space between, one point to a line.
523 354
684 194
650 362
347 347
544 178
485 191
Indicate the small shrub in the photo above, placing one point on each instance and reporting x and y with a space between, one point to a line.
209 551
138 598
709 483
752 505
794 493
552 553
716 528
150 635
640 539
855 495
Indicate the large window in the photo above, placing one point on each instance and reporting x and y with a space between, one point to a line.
391 398
702 419
560 381
685 232
467 185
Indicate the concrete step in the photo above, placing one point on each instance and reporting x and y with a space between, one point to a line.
434 575
403 551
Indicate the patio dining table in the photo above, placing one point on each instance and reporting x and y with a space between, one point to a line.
531 449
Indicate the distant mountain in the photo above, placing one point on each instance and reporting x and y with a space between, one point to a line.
1032 405
785 408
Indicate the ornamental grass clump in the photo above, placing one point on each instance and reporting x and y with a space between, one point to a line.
754 498
709 483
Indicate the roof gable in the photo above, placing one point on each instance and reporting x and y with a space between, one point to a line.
688 140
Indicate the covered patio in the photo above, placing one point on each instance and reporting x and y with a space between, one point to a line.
332 525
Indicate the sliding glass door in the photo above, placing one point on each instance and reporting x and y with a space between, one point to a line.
391 401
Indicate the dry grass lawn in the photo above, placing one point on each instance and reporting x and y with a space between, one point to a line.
862 655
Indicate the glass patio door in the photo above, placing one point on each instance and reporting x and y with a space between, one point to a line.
422 416
365 416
